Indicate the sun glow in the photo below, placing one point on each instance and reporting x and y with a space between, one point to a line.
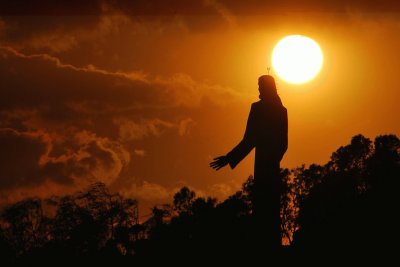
297 59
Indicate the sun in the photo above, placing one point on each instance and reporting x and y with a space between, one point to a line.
297 59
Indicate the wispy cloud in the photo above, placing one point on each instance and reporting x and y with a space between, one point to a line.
130 130
137 76
222 10
140 152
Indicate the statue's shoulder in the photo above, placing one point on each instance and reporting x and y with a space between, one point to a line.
256 104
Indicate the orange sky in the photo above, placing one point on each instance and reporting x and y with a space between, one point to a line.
142 96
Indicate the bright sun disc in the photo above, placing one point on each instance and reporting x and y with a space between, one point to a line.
297 59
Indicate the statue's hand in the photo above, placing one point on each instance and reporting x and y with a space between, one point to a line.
219 162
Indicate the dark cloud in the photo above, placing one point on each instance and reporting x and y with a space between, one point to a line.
2 27
59 34
79 83
94 7
26 160
20 158
64 126
90 158
197 7
38 77
48 7
259 7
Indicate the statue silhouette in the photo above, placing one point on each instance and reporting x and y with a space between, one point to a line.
267 131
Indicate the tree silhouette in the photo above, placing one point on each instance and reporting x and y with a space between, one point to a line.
22 225
348 211
183 200
347 206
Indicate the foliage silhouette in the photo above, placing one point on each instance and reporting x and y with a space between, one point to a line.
346 207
